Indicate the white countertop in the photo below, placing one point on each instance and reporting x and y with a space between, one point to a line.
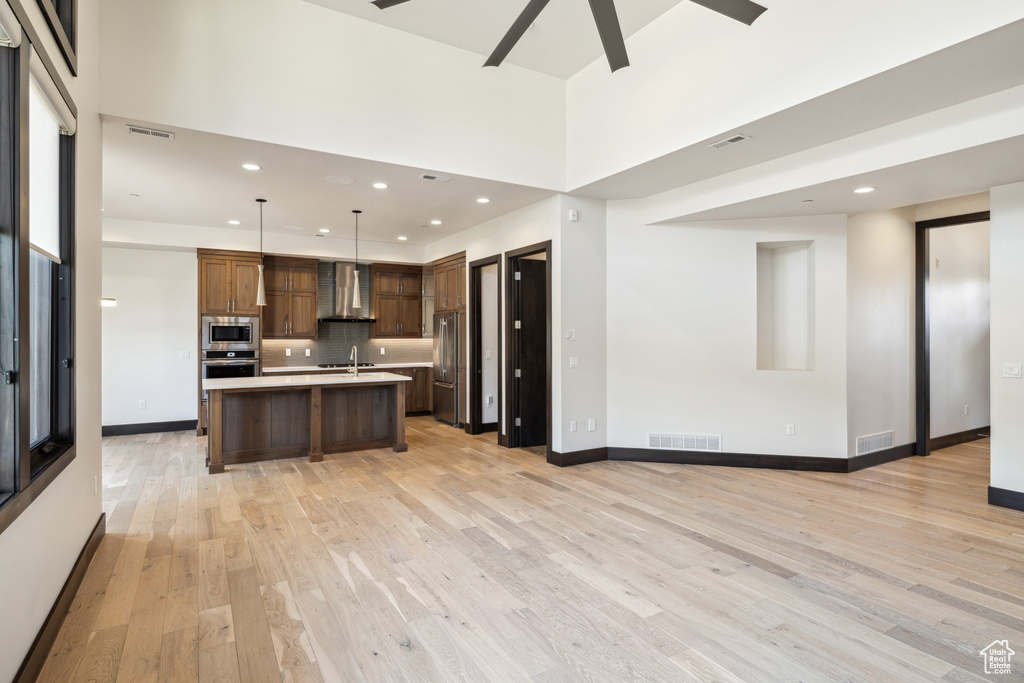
303 380
374 368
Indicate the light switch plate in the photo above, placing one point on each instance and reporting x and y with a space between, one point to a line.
308 352
572 425
591 425
382 350
574 361
287 352
1011 370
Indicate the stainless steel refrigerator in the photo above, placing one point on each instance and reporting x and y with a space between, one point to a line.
446 367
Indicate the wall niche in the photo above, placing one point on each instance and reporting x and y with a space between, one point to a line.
785 305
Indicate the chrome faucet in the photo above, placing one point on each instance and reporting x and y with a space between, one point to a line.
354 356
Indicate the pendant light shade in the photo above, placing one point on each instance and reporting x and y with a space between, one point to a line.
356 301
261 290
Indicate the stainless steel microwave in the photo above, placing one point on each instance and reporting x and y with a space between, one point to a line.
223 333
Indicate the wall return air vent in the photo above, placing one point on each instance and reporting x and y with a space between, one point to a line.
150 132
874 442
729 142
686 442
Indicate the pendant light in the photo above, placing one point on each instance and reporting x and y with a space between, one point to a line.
356 302
261 291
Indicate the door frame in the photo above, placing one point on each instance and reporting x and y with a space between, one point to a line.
511 440
922 334
475 306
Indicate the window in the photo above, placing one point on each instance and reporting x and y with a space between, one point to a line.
61 16
37 157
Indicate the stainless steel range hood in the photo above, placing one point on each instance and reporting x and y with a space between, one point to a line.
336 307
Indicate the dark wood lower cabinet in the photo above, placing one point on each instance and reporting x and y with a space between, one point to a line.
418 392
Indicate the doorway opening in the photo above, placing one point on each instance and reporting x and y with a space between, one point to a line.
528 338
485 401
952 331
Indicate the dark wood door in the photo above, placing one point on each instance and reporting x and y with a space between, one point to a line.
275 278
410 285
460 297
530 352
275 315
420 389
245 277
302 315
215 286
387 284
386 313
440 289
451 276
303 280
409 316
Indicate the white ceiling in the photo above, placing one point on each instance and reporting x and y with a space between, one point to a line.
961 173
197 179
561 41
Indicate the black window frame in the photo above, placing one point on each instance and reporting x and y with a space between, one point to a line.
24 471
62 18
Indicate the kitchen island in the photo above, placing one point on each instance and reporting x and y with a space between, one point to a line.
265 418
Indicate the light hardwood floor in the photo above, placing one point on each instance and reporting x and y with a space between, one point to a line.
463 561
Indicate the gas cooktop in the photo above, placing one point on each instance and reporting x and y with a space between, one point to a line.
344 365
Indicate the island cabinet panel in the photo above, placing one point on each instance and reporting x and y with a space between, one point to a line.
417 392
268 424
362 417
228 281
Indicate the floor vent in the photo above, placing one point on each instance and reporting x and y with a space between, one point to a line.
686 442
729 142
874 442
434 176
150 132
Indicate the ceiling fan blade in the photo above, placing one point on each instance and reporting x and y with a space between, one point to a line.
384 4
513 35
740 10
611 33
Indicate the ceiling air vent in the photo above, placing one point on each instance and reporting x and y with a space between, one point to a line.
434 176
874 442
150 132
728 142
686 442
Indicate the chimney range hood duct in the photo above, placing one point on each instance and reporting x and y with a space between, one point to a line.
342 280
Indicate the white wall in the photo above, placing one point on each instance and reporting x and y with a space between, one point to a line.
143 336
666 101
294 73
881 380
682 330
1007 282
489 341
958 318
33 571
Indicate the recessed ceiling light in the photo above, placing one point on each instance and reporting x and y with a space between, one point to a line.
339 179
251 167
864 190
324 230
381 186
402 238
435 222
234 222
482 200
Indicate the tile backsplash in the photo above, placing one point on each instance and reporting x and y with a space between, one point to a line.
335 342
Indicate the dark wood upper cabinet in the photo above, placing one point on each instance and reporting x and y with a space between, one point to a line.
291 298
397 300
228 282
450 284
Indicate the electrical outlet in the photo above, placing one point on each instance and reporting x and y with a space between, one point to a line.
308 351
572 425
287 352
790 430
142 405
574 361
488 356
591 425
965 409
382 350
